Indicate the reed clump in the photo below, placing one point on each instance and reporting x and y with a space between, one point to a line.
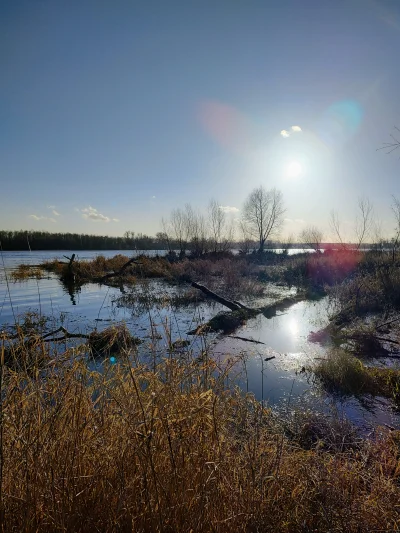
170 450
375 287
342 372
24 272
112 340
88 270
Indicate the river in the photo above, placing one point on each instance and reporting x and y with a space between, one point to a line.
273 371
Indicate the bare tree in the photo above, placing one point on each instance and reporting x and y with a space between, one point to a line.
363 221
166 232
197 231
377 240
336 227
263 214
396 213
180 221
228 237
392 145
217 222
312 237
246 243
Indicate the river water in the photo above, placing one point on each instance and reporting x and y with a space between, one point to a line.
274 369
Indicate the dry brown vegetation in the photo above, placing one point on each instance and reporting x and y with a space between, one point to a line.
234 276
342 372
170 450
24 272
93 270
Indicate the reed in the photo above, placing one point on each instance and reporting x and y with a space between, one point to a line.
166 448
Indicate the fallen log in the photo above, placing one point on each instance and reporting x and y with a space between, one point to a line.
233 306
229 322
119 272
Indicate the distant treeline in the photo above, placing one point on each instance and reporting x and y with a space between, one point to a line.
44 240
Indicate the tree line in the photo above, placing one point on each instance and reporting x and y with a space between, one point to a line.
190 230
215 231
43 240
187 229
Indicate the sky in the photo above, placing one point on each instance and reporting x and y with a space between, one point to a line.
113 113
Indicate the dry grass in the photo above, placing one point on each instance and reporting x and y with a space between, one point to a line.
233 276
112 340
94 269
171 451
24 272
316 271
374 288
344 373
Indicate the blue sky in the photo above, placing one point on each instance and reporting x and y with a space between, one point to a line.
112 113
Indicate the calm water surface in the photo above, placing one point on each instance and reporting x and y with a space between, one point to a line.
280 380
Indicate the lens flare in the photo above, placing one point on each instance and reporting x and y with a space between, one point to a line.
340 122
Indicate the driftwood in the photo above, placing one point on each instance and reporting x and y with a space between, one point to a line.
46 337
69 276
233 306
229 322
119 272
67 335
112 339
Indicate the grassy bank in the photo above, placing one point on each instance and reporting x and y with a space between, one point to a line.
344 373
169 449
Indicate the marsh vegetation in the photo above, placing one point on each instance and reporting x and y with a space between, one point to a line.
119 429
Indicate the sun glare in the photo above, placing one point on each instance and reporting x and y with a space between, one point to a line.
294 169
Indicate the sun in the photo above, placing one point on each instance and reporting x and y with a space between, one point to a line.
294 169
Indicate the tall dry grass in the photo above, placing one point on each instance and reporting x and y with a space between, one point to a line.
170 450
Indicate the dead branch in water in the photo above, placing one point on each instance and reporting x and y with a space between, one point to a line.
120 271
233 306
229 322
244 339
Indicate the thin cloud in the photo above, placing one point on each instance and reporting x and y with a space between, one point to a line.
93 214
228 209
53 210
40 217
294 129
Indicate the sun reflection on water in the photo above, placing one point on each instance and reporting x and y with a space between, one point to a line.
293 327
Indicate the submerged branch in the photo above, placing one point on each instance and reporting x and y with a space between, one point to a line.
244 339
229 322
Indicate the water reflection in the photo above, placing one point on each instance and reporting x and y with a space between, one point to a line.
71 288
272 371
293 327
